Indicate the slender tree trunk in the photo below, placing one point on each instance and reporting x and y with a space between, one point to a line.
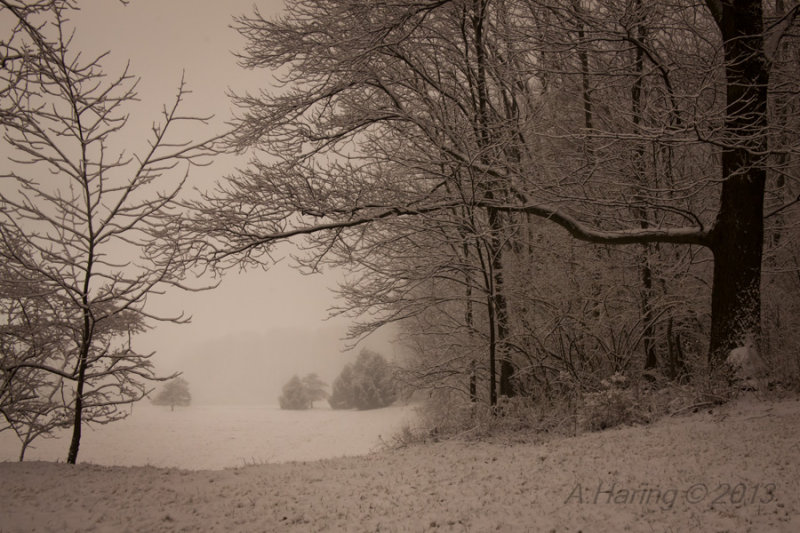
501 316
77 422
649 338
488 280
473 382
24 446
738 234
676 365
583 57
499 306
492 353
83 359
87 333
645 272
469 320
75 443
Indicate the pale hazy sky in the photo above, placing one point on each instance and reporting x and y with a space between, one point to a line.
252 333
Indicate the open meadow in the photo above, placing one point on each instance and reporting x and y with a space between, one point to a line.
221 436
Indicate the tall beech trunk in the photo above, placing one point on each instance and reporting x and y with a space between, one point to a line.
738 234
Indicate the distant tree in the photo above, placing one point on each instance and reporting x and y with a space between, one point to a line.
302 393
341 392
294 395
175 392
315 388
366 384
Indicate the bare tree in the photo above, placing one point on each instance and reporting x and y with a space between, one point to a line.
597 120
88 218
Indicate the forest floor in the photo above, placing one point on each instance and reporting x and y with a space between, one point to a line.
730 468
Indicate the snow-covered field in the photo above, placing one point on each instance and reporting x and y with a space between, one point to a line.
216 437
728 469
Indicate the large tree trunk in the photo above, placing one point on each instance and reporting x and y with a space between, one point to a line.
737 246
738 235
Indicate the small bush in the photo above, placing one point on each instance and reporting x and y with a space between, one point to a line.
567 408
613 405
519 419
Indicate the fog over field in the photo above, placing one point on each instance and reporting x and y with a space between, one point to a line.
250 367
215 437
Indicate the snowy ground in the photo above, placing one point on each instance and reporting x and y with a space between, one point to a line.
221 436
735 468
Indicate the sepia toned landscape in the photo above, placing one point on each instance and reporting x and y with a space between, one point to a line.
399 265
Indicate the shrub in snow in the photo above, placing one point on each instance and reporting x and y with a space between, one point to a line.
448 412
746 366
614 404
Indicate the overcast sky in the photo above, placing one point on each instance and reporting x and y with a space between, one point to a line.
250 335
